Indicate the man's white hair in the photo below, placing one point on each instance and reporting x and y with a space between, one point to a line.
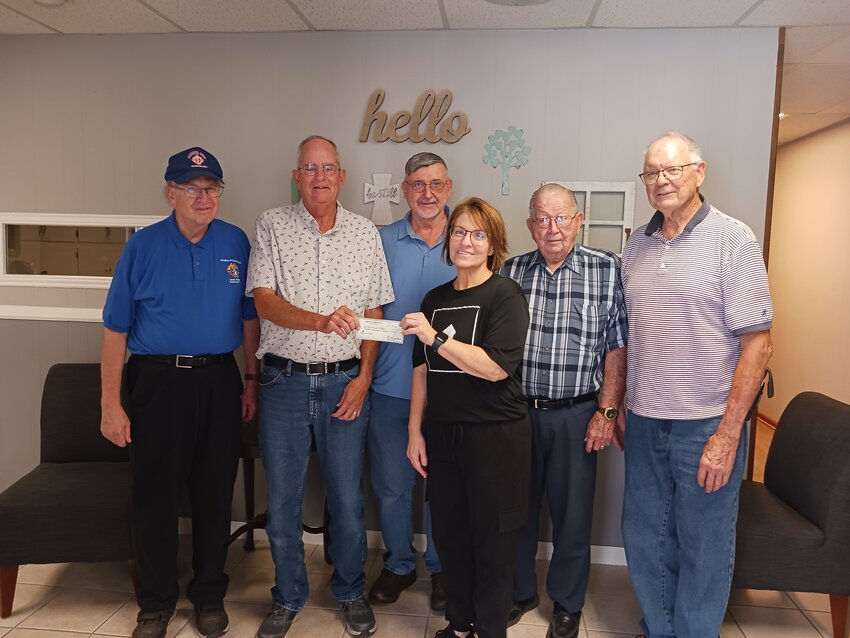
694 151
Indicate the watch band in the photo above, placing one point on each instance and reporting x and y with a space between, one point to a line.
439 339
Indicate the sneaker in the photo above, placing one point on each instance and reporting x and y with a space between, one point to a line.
448 632
212 622
152 624
359 619
520 607
277 622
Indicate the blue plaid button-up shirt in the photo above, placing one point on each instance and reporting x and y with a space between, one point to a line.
578 315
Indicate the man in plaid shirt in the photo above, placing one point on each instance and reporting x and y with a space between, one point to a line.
573 373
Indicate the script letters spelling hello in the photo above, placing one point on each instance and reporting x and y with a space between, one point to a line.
431 109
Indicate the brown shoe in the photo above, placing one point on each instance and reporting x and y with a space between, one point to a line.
438 592
389 586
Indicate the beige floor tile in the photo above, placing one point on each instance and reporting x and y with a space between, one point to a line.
245 618
54 574
397 625
106 576
771 622
320 592
729 628
810 601
413 601
260 558
434 625
250 585
760 598
41 633
76 610
609 634
28 599
533 631
316 562
4 631
317 623
123 621
541 614
609 579
609 612
822 620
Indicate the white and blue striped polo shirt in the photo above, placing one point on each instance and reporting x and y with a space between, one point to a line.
689 300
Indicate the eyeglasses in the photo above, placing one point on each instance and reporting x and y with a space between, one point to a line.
194 192
435 185
478 237
560 221
671 172
328 169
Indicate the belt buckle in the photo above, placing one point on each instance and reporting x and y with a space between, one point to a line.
177 360
536 406
323 369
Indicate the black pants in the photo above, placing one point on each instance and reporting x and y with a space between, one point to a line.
478 488
185 430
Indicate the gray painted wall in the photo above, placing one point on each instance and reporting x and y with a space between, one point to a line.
88 122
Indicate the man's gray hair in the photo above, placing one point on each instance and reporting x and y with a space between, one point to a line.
421 160
310 139
551 186
694 151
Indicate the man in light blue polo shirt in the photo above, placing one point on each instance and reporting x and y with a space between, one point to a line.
413 247
177 303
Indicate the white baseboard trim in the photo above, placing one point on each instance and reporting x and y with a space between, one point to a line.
599 554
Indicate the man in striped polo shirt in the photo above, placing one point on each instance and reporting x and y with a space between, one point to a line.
573 373
699 340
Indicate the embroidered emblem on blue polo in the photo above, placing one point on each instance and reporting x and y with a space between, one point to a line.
233 271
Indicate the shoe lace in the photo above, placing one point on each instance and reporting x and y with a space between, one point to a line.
357 606
277 614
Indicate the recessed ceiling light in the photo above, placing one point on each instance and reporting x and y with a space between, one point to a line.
517 3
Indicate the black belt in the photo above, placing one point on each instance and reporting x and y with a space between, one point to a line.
186 360
330 367
549 404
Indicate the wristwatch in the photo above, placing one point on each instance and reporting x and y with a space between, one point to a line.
439 339
609 413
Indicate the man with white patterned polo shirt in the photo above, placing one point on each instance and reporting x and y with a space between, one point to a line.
316 268
699 340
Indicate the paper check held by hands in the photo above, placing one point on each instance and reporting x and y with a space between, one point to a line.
380 330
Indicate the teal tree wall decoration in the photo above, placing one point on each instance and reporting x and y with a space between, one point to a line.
506 149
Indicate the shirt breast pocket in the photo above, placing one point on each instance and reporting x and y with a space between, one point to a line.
586 326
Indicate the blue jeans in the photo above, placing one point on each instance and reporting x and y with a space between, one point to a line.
679 541
394 480
294 409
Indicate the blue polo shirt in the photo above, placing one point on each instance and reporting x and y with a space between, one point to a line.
415 268
175 297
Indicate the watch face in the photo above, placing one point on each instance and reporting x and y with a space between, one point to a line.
609 413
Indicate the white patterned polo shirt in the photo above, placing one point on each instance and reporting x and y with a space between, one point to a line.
319 272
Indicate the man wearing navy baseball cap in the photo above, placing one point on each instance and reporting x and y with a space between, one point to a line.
177 303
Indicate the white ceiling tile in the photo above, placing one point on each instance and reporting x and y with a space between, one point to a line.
812 88
368 15
795 126
777 13
837 52
229 16
13 22
555 14
664 13
801 43
95 16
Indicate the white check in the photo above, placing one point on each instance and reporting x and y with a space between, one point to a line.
380 330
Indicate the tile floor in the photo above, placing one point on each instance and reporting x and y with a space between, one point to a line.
76 600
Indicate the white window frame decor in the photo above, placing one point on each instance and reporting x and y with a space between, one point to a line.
627 223
63 219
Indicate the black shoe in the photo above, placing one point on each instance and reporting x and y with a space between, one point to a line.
438 592
277 622
152 624
389 586
520 607
564 625
212 622
359 619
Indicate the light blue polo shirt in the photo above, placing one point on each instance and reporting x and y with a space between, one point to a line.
174 297
415 268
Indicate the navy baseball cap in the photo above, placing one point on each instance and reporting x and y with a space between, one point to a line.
191 163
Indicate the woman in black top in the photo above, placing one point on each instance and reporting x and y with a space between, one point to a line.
469 432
